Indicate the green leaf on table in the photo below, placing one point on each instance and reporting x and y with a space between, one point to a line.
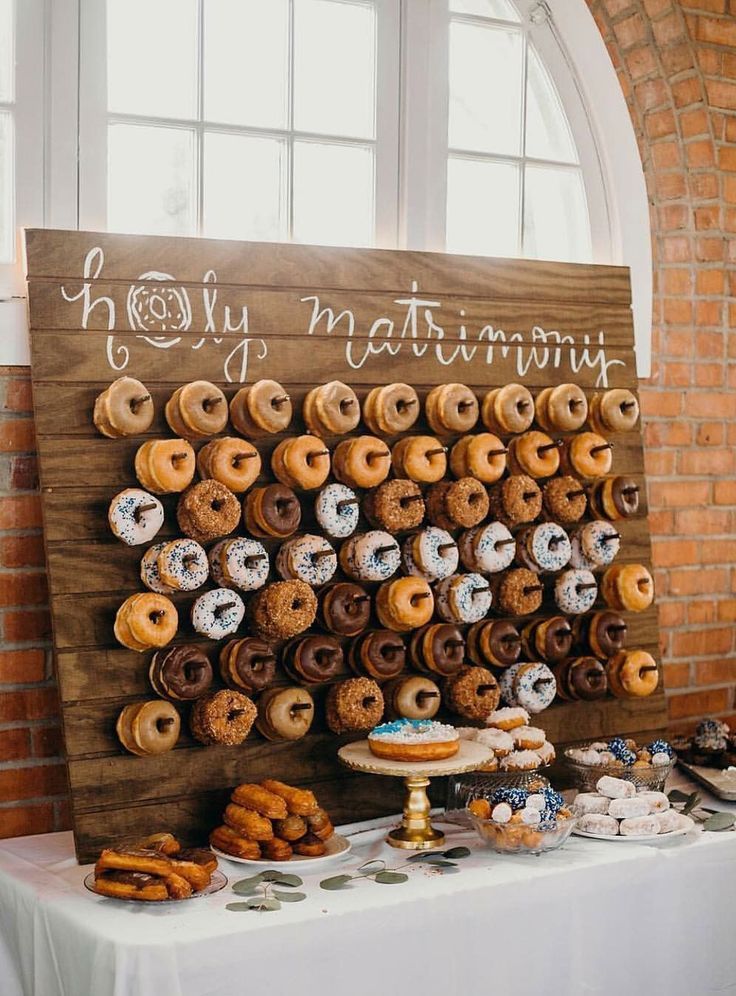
237 907
280 878
457 852
336 882
441 863
425 856
677 796
289 897
692 802
390 878
246 885
371 867
719 821
264 905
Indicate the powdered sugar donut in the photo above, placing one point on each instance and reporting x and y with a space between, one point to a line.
307 558
591 802
135 516
622 809
657 801
375 556
488 548
182 565
239 563
639 826
217 613
615 788
668 820
534 687
548 546
599 823
431 554
463 598
149 570
501 812
575 591
500 741
337 510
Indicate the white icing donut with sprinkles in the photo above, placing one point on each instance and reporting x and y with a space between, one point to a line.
183 565
599 542
135 516
488 548
337 510
149 570
307 558
575 591
217 613
239 563
431 554
534 687
578 559
463 598
549 546
376 556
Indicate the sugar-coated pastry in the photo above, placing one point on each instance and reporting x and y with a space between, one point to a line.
390 409
501 742
248 665
457 504
563 408
632 674
379 654
615 788
146 728
260 800
482 456
197 410
226 839
273 511
487 548
508 718
628 586
331 409
587 455
472 693
575 591
307 558
301 462
135 516
125 408
564 499
616 410
544 547
313 659
591 802
463 598
640 826
520 760
517 592
353 705
439 648
371 556
599 823
285 713
404 604
183 565
414 697
361 462
146 620
493 642
282 610
431 554
261 409
180 673
668 820
344 608
508 409
657 801
337 510
149 570
395 506
527 737
207 511
224 717
515 500
451 408
233 462
623 809
615 498
165 466
420 458
217 613
239 562
535 454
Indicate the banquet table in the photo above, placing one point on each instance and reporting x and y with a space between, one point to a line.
595 917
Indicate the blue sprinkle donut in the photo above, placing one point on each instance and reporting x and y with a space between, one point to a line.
570 594
217 613
548 546
149 570
463 598
128 523
183 565
480 551
337 522
424 558
534 687
239 562
296 560
599 542
376 556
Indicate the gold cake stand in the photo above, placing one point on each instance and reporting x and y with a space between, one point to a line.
416 832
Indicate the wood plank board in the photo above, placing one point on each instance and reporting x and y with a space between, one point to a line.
169 310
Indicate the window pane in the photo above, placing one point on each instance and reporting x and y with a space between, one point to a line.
482 208
152 57
7 45
500 9
334 68
246 72
7 213
548 134
333 194
151 180
485 88
556 224
244 187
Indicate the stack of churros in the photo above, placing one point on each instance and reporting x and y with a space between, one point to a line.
154 869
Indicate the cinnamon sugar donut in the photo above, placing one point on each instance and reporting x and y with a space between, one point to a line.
517 592
515 500
207 510
472 693
355 704
223 717
282 610
564 499
395 506
457 504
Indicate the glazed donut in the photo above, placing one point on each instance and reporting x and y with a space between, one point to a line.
451 408
149 570
530 686
587 455
282 610
261 409
515 500
313 659
614 411
575 591
482 457
391 409
239 563
585 678
233 462
380 654
248 665
395 506
438 647
182 565
632 674
488 549
412 698
344 608
496 643
355 704
535 454
207 510
337 510
628 586
217 613
331 409
260 800
420 458
135 516
508 409
273 511
197 410
545 547
223 717
605 633
301 462
594 545
453 504
430 554
146 620
180 673
548 639
463 598
146 728
404 604
124 408
472 693
361 462
564 499
165 465
307 558
563 408
371 556
615 498
517 592
285 713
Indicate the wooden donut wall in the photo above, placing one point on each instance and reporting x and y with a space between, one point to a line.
168 311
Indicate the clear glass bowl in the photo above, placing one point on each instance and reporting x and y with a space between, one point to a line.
462 788
585 776
515 838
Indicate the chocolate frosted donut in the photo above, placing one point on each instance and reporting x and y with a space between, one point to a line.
313 659
395 506
493 642
586 679
180 673
549 639
564 499
379 653
248 665
605 633
616 497
345 608
515 500
272 511
438 647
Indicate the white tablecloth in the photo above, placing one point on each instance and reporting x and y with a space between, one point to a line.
593 918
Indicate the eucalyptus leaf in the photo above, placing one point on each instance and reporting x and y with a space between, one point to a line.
423 856
691 803
457 852
264 905
247 883
336 882
677 796
441 863
290 881
719 821
238 907
390 878
371 867
274 875
289 897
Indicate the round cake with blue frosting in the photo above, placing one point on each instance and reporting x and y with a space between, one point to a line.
414 740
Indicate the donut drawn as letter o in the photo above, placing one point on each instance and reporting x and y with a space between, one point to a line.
159 307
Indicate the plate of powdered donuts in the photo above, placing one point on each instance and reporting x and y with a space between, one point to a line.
617 811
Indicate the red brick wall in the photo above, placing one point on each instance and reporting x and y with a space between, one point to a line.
677 67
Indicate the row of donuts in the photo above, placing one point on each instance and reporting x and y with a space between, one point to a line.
200 409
